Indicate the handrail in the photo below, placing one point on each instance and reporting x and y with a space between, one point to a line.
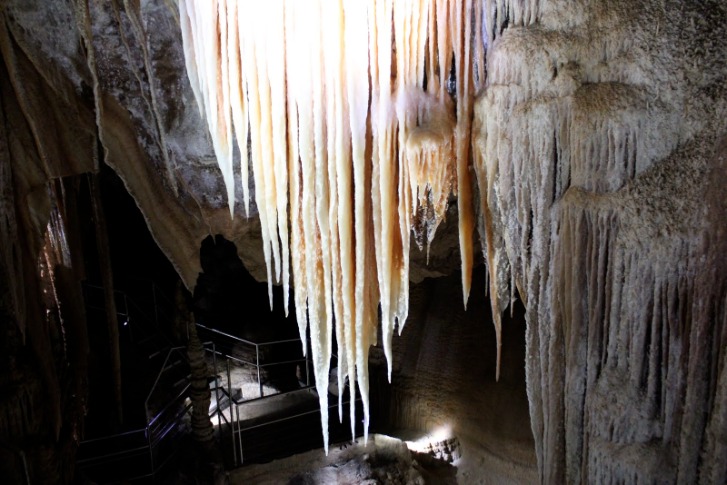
155 288
269 364
125 451
123 293
117 435
142 312
141 431
287 418
162 427
237 432
147 434
236 359
274 342
164 365
154 440
224 334
162 430
245 341
281 393
171 401
257 365
153 284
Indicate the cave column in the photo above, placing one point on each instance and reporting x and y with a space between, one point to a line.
107 282
199 390
200 394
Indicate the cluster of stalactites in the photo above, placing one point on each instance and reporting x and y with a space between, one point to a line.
429 154
347 108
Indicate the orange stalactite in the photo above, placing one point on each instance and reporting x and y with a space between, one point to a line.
353 135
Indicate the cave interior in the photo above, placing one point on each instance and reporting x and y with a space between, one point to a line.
494 253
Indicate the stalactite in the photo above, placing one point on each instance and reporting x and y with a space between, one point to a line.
595 211
355 126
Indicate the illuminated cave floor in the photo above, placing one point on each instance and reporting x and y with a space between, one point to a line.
257 402
387 460
382 460
271 407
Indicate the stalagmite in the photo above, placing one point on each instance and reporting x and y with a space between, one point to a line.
356 136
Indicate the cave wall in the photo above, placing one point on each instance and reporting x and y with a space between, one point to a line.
125 58
601 150
43 340
444 384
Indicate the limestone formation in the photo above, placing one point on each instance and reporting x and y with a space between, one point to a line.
596 163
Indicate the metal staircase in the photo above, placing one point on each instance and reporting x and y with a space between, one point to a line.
157 423
255 424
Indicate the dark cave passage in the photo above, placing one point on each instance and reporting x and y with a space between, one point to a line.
228 298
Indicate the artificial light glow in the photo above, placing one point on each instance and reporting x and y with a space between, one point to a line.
353 136
440 443
439 434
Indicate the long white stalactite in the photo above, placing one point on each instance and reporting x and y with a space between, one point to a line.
356 136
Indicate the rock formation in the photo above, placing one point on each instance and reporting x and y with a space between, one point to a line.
599 156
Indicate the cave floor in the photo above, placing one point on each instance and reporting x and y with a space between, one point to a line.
382 460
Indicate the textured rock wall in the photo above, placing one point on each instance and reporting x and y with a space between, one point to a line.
119 70
152 133
43 347
600 156
443 382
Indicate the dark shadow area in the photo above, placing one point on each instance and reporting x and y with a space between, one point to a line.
135 256
227 298
144 284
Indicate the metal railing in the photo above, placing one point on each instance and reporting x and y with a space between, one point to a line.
143 453
139 453
228 347
178 351
225 347
239 428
